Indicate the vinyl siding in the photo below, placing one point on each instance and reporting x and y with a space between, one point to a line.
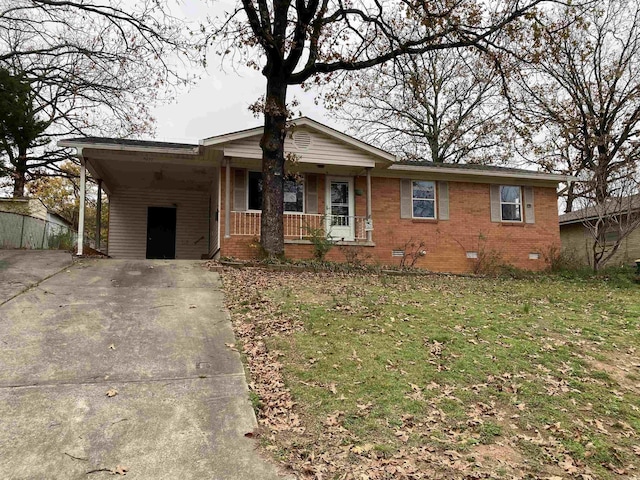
128 221
323 150
215 215
578 243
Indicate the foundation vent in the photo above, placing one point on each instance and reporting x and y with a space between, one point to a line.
397 253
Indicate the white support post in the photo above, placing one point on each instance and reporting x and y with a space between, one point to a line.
227 198
369 232
83 182
99 215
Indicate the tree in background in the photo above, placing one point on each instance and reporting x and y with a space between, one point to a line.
61 194
94 68
576 100
21 128
443 106
313 41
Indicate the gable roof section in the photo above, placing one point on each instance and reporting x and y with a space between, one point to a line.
631 203
311 125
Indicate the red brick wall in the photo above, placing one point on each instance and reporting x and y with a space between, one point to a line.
446 241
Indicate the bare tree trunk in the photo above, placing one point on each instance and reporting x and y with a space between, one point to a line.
272 144
19 175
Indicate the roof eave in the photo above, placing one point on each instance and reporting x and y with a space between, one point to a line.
80 146
549 177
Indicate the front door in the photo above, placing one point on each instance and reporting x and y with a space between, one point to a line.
161 232
340 209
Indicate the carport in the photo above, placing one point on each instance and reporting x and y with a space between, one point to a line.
163 197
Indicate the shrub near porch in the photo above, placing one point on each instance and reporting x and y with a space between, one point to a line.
442 377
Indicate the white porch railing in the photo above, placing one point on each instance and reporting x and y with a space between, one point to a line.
301 225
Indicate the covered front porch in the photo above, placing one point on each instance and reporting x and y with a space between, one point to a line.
300 226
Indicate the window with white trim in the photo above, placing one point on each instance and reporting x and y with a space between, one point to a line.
510 203
423 199
293 192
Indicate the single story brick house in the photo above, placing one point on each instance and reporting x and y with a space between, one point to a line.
187 201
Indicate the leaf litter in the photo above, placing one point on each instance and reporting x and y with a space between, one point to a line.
480 427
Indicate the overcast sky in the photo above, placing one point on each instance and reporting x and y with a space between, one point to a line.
219 102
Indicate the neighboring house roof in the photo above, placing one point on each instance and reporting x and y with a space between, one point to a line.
124 144
630 203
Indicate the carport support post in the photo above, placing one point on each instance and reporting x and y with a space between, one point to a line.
227 198
83 182
99 215
369 232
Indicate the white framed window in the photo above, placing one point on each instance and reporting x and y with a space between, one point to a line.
510 203
293 192
423 199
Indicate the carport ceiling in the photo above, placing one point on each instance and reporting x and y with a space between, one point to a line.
128 174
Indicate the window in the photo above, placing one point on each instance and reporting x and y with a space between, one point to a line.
255 191
423 199
609 236
293 193
510 203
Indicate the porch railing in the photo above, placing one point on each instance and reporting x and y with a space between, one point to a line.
303 225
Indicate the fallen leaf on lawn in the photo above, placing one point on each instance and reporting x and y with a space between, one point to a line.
112 392
333 389
402 435
231 346
568 465
192 306
613 468
332 420
360 449
636 449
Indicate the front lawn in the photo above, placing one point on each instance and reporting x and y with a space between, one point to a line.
364 376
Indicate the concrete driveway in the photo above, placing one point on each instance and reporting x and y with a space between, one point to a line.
152 331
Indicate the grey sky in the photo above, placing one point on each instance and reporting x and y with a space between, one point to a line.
219 102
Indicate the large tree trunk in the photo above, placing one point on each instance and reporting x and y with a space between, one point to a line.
272 144
19 175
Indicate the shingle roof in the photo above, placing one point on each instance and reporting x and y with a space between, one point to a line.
130 143
591 212
466 166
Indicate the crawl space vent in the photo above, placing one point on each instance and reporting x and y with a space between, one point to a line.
397 253
302 140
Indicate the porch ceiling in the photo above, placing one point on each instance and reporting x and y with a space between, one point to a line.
151 172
